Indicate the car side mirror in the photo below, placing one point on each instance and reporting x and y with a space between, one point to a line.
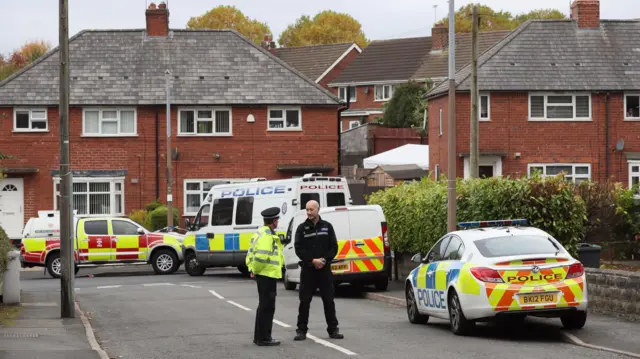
210 235
141 232
417 258
187 223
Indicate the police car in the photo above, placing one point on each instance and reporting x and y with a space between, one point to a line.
496 269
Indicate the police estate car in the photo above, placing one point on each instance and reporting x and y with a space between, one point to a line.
496 269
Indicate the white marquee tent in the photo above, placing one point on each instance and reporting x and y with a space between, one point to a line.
404 155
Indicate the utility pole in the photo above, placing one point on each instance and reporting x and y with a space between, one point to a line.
451 212
67 262
169 180
475 97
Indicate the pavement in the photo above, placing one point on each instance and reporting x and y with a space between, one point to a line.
133 313
610 334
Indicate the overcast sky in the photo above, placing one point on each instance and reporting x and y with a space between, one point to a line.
26 20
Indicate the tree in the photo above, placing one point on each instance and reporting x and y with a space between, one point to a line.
22 57
326 27
492 20
229 17
406 107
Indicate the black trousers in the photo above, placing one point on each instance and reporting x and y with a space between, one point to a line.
310 280
267 290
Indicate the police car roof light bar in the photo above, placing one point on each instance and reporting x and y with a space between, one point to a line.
495 223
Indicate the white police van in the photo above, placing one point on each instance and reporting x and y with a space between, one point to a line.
231 213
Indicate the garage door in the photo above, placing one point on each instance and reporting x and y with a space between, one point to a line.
12 206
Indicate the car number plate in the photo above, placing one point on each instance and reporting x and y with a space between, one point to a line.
538 298
340 267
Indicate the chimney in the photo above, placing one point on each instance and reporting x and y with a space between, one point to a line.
439 37
157 20
268 43
586 13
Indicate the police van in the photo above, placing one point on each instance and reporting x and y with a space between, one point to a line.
230 214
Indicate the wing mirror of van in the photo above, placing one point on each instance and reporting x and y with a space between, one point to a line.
141 232
283 239
417 258
187 223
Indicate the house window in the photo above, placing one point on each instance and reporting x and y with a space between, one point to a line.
109 122
196 190
354 124
342 93
437 172
485 108
95 196
285 119
30 120
568 107
383 92
440 122
205 122
634 173
573 172
632 107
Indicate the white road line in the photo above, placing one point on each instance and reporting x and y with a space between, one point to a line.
238 305
193 282
109 286
330 345
284 325
191 286
156 284
216 294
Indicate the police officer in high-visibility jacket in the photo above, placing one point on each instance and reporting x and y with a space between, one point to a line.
265 260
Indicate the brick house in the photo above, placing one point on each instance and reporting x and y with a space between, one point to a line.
556 95
237 112
320 63
385 64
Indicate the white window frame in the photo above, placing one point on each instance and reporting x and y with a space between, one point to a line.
201 191
101 120
627 118
488 118
383 98
356 122
31 111
112 194
573 104
284 110
342 93
573 176
441 122
213 110
632 174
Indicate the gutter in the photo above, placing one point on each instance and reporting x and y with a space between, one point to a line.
340 110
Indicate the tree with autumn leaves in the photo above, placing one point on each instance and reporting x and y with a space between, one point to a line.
492 20
22 57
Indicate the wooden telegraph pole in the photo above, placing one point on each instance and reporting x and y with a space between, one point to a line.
169 179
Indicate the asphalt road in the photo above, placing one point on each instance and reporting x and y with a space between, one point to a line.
178 316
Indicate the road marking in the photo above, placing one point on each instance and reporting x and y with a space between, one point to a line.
575 340
216 294
45 304
238 305
191 286
284 325
193 282
109 286
330 345
156 284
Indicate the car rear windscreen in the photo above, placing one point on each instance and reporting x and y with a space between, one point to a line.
515 245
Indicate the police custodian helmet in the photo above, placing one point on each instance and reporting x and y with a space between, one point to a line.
271 213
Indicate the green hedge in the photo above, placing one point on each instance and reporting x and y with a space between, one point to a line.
5 248
417 212
157 218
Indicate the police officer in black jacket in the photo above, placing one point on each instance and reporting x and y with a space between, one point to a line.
316 245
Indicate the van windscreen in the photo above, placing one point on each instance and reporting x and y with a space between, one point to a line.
306 197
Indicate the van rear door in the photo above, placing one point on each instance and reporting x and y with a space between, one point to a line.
339 219
366 250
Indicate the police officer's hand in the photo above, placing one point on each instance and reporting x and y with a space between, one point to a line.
318 263
251 275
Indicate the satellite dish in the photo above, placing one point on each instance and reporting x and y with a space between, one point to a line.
620 145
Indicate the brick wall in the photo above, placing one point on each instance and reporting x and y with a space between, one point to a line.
336 71
251 152
614 292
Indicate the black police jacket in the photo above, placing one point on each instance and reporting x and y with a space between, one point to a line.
315 241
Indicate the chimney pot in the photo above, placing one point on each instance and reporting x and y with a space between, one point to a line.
162 5
586 13
152 6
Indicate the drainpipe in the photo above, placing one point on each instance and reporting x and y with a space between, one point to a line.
157 161
606 139
339 133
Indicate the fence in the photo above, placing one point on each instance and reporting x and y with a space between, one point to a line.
360 189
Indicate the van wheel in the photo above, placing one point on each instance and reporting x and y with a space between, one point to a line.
54 265
288 285
382 284
165 261
192 266
244 270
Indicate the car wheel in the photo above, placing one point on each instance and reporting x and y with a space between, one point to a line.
192 266
165 262
574 320
412 308
459 324
288 285
54 265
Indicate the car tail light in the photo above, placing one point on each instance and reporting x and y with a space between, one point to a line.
385 238
575 270
487 275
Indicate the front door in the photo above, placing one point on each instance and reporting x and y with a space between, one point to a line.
11 206
485 171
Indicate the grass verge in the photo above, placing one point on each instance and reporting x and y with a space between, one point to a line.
8 313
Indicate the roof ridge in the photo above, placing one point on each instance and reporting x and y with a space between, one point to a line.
320 45
402 38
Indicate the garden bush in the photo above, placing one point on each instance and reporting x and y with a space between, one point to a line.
5 248
158 218
153 205
141 217
417 212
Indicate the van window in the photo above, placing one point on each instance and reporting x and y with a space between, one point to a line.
96 227
290 230
202 218
366 224
306 197
222 212
124 228
335 199
244 210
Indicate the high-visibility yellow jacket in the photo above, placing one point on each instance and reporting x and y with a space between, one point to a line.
265 255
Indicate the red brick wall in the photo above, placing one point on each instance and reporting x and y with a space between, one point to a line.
587 13
537 142
336 71
251 152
